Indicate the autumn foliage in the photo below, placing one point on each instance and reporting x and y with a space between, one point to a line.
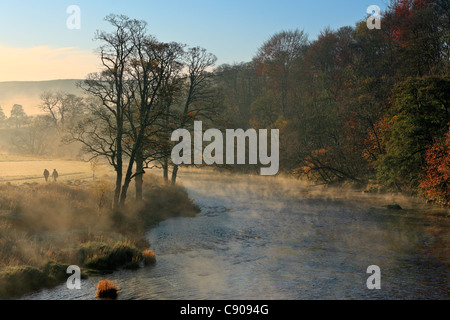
107 289
149 257
436 183
356 104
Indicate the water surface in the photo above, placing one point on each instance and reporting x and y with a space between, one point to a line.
266 238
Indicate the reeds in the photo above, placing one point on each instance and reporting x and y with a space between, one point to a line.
107 289
149 257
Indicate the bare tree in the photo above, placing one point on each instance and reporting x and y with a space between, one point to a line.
199 97
131 100
154 71
62 107
112 91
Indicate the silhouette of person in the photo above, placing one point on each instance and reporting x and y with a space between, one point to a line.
46 174
55 174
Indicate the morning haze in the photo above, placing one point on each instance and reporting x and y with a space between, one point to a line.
257 150
27 93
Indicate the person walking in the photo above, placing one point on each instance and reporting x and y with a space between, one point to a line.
46 174
55 174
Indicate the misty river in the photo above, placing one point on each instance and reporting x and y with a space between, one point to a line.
262 238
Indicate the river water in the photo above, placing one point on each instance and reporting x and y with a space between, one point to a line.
271 238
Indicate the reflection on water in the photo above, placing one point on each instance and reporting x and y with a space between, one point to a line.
264 238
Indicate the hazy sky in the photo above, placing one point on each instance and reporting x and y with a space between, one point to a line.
35 43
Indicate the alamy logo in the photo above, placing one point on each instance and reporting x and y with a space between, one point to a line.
74 20
374 20
74 281
374 281
213 152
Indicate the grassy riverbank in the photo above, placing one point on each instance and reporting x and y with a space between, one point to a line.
45 227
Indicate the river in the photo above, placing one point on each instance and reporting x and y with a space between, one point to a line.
262 238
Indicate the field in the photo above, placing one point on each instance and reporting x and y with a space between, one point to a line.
19 169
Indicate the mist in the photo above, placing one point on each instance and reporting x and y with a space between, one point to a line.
357 178
27 93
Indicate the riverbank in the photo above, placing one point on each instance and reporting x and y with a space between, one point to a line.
347 190
46 227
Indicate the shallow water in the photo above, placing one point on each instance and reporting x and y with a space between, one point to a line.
264 238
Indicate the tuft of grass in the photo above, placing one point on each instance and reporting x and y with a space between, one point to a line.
56 272
22 279
108 257
18 280
149 257
107 289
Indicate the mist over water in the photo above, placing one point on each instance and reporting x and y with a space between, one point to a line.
274 238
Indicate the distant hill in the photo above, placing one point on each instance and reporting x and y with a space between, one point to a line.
27 93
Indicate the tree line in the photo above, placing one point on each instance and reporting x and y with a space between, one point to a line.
41 134
356 104
17 117
360 105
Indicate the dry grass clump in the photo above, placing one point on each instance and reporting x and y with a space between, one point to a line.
18 280
149 257
107 289
104 256
181 205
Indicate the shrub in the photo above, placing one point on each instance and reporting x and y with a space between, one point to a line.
107 289
56 271
107 257
149 257
18 280
436 181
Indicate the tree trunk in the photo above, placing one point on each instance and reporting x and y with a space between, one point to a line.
174 174
119 159
123 195
136 151
166 170
139 181
127 180
118 188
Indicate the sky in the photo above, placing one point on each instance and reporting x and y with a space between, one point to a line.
36 44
